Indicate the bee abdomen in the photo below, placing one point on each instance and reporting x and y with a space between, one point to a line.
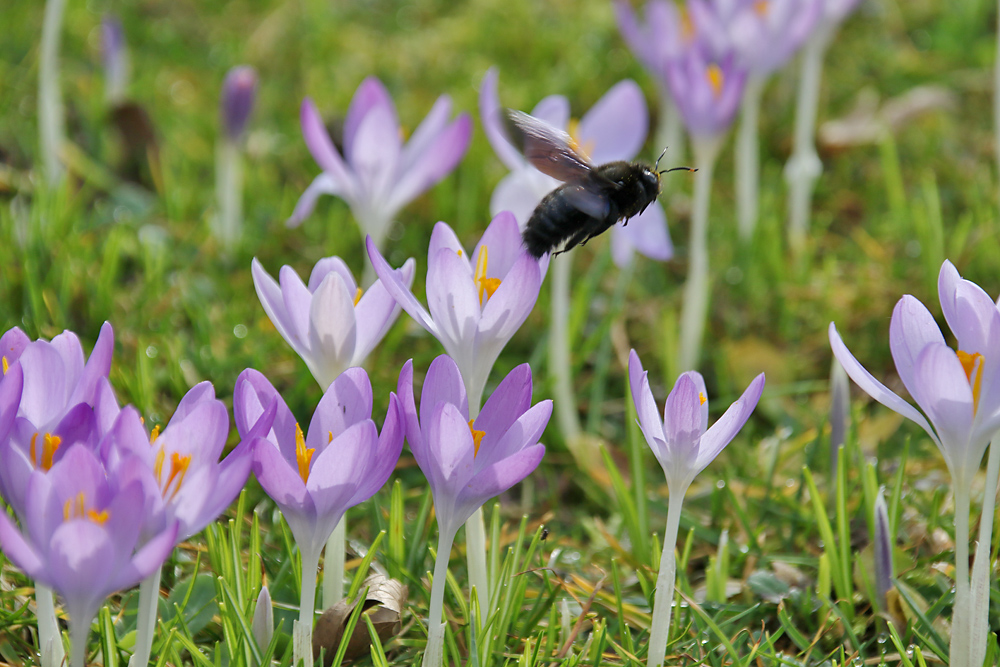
554 220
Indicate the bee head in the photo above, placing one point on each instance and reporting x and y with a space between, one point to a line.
649 179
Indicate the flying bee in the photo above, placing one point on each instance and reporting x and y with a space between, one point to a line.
591 198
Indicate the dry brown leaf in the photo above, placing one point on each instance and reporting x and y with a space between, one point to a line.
383 605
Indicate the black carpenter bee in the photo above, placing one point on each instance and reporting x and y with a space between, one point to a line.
590 200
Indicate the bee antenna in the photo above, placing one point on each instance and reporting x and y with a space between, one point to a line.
657 163
667 171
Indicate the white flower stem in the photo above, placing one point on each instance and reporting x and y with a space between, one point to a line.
560 366
960 629
475 536
49 641
804 166
663 599
50 107
695 308
333 565
79 630
149 594
229 193
748 158
981 565
307 605
434 653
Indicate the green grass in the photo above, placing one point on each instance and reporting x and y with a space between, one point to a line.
792 585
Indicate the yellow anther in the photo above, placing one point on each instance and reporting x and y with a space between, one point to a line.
329 435
357 296
714 74
583 149
50 443
302 455
761 7
484 284
972 364
6 366
687 25
178 469
701 399
158 463
459 252
477 436
76 508
155 434
97 517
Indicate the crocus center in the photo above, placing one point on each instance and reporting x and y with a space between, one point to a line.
701 399
584 148
76 508
714 76
477 436
155 434
484 284
973 366
179 464
687 25
302 455
760 6
50 443
357 296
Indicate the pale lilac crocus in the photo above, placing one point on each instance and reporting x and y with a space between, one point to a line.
114 55
331 323
475 302
613 129
181 476
239 90
683 444
314 477
80 533
958 393
467 461
378 175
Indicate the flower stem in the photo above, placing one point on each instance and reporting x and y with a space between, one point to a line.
748 158
149 594
695 308
50 106
333 565
980 583
79 630
229 193
560 367
670 130
663 599
959 649
475 534
804 166
307 605
49 641
434 653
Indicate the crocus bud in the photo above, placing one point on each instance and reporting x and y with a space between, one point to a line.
115 57
263 619
238 92
883 550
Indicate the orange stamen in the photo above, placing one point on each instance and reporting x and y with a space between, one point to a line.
357 296
76 508
687 25
761 7
302 455
155 434
6 366
489 285
972 364
701 399
714 74
178 469
50 443
477 436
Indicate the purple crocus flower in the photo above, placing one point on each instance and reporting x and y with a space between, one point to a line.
114 55
958 391
239 90
662 37
476 302
331 323
766 33
315 477
378 175
468 462
613 129
179 468
707 91
682 441
80 532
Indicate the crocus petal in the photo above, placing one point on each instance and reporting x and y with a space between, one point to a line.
44 393
324 184
725 429
390 445
615 127
455 452
329 265
253 397
18 551
642 396
336 471
508 402
646 233
11 386
332 328
502 239
376 312
98 366
682 413
269 293
149 558
346 402
398 290
278 477
232 476
426 133
203 391
911 329
443 237
948 398
554 110
451 296
339 177
433 163
491 115
969 311
499 477
370 97
202 434
518 193
297 299
375 153
513 301
526 430
442 384
873 387
12 344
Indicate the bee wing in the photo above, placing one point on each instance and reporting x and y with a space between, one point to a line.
587 200
548 149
